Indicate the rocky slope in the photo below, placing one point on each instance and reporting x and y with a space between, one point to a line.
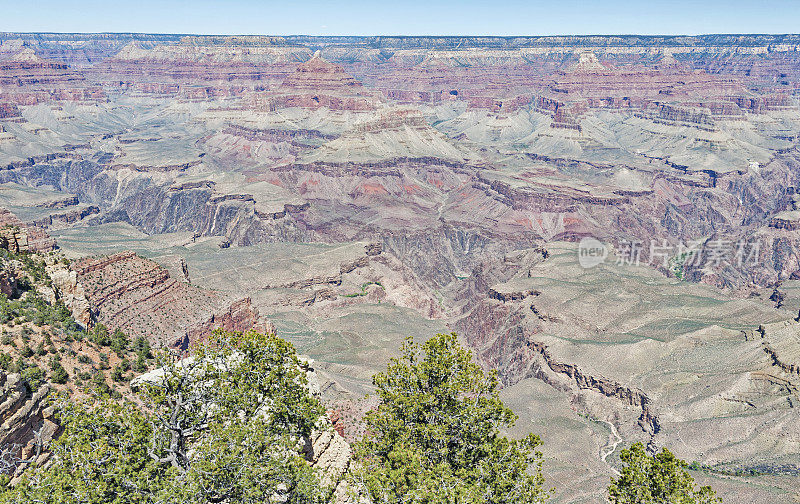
131 293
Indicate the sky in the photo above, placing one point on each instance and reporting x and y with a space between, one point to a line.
412 17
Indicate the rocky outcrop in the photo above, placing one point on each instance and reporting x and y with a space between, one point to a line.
239 316
781 342
9 111
69 217
315 84
70 291
326 449
648 419
64 202
27 425
19 237
140 297
512 296
8 282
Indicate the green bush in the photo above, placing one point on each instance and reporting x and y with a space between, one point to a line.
119 342
58 374
99 385
35 377
5 361
142 347
435 437
99 335
178 448
118 374
653 479
140 365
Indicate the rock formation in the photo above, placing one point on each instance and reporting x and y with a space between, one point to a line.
19 237
128 292
27 426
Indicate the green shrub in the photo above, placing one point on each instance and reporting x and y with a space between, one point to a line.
119 342
140 365
99 335
58 374
26 351
657 478
142 347
5 361
435 436
118 374
35 377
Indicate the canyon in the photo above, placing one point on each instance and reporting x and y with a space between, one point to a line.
349 192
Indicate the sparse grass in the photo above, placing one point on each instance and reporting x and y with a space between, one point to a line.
363 290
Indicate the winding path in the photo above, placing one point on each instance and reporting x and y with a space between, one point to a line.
613 441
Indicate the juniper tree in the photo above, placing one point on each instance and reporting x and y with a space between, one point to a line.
658 479
435 436
225 426
100 458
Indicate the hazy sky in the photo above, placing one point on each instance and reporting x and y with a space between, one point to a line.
415 17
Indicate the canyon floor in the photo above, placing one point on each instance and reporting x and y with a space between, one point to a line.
350 192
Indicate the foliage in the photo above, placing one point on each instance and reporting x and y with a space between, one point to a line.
363 290
57 372
35 377
434 438
118 375
658 479
100 387
224 426
141 364
246 445
100 458
142 347
99 335
32 308
119 342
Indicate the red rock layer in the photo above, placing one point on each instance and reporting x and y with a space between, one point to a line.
9 111
239 316
140 297
26 79
316 84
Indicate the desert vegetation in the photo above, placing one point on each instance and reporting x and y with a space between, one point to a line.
223 427
232 422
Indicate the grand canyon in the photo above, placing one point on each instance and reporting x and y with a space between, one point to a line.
348 192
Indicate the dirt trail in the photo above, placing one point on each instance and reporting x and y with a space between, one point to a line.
613 441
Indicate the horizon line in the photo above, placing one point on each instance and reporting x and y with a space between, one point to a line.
754 34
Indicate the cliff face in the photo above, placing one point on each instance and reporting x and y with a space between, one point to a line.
28 79
239 316
26 424
393 199
19 237
131 293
